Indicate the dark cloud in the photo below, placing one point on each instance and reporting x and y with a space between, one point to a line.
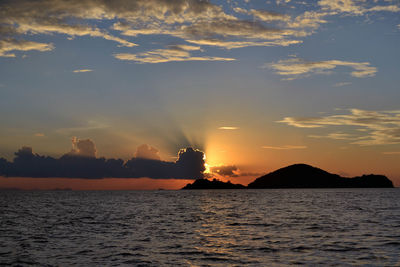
81 162
231 171
227 170
191 162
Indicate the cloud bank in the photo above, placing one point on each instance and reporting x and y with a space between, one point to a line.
197 22
190 20
81 162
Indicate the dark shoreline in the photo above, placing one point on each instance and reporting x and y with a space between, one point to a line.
298 176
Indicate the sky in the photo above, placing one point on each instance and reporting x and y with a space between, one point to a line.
255 85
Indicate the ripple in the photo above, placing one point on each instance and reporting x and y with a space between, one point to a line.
174 228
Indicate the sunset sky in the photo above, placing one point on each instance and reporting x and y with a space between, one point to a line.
256 85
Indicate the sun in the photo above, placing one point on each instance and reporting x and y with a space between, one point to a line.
208 169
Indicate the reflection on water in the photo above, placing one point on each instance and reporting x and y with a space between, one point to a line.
197 228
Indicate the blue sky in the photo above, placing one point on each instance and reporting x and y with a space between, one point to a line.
124 73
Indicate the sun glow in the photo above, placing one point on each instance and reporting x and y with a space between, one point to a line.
207 168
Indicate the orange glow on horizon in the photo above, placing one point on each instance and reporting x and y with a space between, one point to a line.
92 184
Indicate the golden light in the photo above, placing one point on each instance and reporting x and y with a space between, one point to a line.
207 168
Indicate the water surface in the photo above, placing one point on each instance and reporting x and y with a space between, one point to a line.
201 228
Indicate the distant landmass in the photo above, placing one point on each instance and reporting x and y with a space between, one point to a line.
212 184
306 176
299 176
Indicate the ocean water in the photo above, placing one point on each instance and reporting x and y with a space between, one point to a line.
201 228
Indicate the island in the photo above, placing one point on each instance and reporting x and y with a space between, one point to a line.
299 176
212 184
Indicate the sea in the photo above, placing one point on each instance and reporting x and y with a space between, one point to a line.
312 227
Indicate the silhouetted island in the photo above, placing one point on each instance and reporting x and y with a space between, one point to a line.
299 176
306 176
213 184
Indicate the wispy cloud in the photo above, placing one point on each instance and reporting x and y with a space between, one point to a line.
372 127
263 15
391 153
39 134
84 126
240 44
228 128
82 70
295 68
336 136
356 7
285 147
309 19
341 84
172 53
9 45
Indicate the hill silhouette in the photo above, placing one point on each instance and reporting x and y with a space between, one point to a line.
306 176
212 184
299 176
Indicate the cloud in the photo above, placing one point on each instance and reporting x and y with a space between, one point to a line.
170 54
336 136
228 128
285 147
185 19
348 6
391 153
85 126
194 21
82 70
341 84
269 16
83 148
372 127
189 165
224 30
8 45
147 152
294 68
240 44
356 7
230 171
310 19
278 2
263 15
227 170
46 27
74 18
191 161
21 19
39 134
81 162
